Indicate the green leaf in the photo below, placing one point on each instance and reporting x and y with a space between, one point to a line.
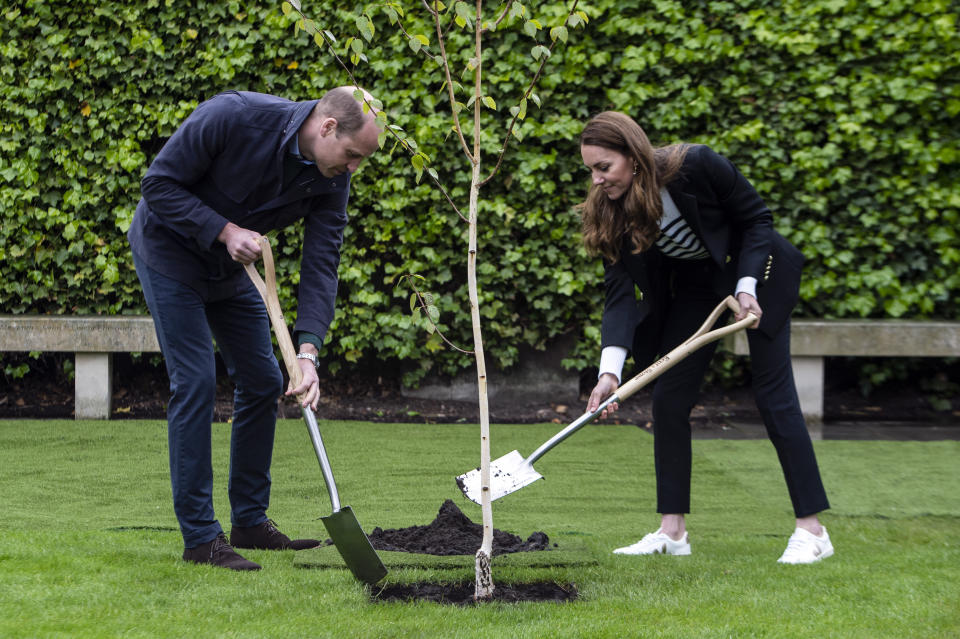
540 51
365 26
491 104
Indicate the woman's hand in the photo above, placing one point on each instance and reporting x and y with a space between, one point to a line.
605 387
748 304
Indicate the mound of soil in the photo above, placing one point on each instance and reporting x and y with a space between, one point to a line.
452 533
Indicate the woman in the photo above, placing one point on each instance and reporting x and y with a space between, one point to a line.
679 228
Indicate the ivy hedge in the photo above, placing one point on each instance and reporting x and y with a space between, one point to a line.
843 114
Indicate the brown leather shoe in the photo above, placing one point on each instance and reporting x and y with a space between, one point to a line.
219 553
266 537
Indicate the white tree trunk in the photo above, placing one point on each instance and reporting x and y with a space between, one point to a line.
484 576
483 571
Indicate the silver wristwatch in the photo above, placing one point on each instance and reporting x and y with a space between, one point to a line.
311 357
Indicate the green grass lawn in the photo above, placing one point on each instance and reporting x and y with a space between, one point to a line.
89 545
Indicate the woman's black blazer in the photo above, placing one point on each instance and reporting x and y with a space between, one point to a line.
734 225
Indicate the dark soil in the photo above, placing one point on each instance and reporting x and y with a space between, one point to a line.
452 533
462 594
141 392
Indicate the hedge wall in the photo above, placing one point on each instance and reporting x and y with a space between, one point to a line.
844 115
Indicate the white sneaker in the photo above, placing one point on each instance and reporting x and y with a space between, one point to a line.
805 548
657 543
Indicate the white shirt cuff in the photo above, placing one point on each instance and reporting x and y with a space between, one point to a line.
611 361
747 285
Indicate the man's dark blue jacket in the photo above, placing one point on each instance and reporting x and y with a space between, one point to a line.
226 163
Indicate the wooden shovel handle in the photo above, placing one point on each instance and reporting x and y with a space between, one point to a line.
268 291
695 341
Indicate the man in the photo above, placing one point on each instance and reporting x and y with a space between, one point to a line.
240 165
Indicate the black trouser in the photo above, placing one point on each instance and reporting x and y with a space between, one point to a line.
690 302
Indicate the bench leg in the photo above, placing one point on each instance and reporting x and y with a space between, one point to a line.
808 375
93 385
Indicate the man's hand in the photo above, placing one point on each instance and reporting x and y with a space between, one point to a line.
606 385
309 383
242 244
748 304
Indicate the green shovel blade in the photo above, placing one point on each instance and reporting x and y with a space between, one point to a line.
354 546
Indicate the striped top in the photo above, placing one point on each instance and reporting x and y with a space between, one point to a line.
676 238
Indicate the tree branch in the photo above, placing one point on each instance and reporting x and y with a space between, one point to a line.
403 143
426 313
533 83
503 14
453 98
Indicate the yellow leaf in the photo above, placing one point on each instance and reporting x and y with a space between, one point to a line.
85 109
75 63
192 33
293 65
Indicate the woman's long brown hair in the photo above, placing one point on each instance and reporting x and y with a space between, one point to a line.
636 214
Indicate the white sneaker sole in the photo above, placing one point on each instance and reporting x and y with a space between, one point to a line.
683 552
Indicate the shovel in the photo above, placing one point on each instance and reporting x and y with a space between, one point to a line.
342 526
512 472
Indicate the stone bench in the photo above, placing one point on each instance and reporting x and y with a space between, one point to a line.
93 339
813 340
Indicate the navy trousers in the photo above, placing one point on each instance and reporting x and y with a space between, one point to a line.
675 393
187 322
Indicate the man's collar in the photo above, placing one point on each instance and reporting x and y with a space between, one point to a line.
294 149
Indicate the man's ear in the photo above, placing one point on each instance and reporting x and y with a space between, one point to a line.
328 126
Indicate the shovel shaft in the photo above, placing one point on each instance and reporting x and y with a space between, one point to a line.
268 291
662 365
694 342
582 421
321 451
